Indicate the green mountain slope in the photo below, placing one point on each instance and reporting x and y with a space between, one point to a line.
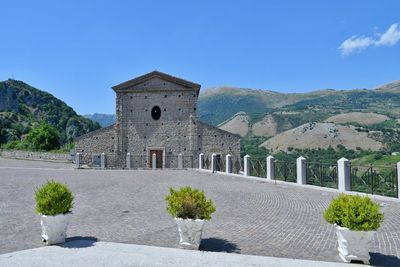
23 107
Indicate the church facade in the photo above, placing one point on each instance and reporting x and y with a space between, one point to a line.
156 114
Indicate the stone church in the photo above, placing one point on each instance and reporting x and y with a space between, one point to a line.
156 114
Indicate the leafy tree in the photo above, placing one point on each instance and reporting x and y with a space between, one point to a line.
44 137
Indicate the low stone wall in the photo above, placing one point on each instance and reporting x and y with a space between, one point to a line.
15 154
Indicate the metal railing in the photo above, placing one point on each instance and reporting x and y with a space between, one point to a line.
220 163
285 171
322 174
379 180
207 162
237 165
258 167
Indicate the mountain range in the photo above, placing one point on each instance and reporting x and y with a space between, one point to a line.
358 119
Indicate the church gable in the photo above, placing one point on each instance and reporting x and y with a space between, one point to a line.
156 81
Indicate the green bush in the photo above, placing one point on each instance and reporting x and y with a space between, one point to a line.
189 203
53 198
354 212
44 137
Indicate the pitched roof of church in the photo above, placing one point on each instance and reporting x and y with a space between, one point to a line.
157 74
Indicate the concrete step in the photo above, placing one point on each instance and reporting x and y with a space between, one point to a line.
80 253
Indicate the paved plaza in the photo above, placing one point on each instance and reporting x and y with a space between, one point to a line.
128 206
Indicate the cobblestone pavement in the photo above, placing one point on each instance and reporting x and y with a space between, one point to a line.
128 206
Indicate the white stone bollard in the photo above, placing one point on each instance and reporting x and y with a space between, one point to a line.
398 179
180 161
103 160
246 165
344 175
154 161
228 165
78 160
301 170
213 162
128 160
201 160
270 168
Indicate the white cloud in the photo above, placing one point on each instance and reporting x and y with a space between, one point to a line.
359 43
354 44
390 37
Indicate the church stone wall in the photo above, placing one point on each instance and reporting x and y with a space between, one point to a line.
139 132
95 143
213 140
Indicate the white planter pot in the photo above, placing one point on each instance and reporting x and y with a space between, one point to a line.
354 245
54 228
190 232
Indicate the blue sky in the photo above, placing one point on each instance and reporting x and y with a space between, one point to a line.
77 50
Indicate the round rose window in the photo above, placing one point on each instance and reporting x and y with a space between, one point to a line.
156 112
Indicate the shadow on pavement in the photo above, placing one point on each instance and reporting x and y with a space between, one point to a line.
378 259
79 242
218 245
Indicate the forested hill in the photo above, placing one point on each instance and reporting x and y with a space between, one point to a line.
23 107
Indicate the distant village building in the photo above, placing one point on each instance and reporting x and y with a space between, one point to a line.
156 114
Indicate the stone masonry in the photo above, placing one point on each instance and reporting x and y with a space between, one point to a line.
156 113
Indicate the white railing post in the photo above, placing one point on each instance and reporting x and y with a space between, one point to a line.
78 160
201 160
128 160
103 160
301 170
180 161
398 179
228 163
246 165
344 175
270 168
213 162
153 161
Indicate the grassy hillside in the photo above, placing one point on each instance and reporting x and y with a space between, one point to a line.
23 107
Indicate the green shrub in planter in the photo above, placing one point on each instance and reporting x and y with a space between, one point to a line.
53 198
354 212
189 203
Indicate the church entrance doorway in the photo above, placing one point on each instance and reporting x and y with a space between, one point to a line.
159 158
